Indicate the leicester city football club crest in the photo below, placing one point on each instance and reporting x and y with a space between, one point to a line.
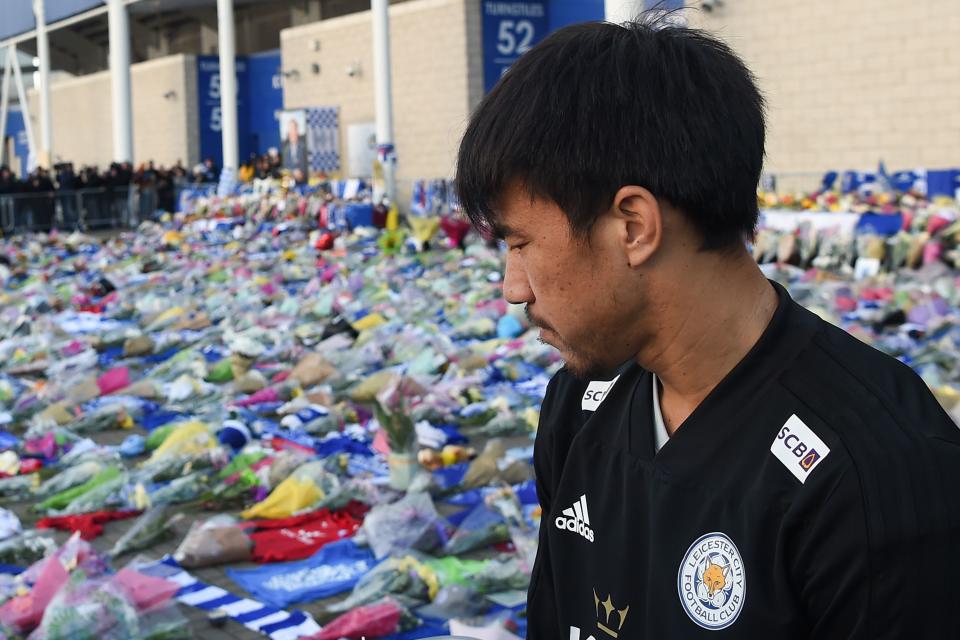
711 581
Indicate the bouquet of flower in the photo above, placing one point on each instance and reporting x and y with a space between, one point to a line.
185 489
26 548
100 498
377 620
69 478
147 530
62 499
390 411
404 577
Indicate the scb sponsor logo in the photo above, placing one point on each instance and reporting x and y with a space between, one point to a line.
799 448
596 393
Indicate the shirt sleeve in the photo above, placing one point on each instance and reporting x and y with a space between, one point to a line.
827 559
875 552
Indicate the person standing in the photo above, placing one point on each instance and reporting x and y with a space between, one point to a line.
714 460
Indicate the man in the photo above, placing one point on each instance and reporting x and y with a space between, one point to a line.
293 150
714 460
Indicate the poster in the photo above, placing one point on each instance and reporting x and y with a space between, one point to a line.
323 139
293 140
362 146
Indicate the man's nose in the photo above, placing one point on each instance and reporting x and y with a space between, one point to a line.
516 285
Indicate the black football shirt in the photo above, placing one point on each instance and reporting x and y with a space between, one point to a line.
815 493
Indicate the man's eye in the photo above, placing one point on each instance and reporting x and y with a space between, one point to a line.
517 247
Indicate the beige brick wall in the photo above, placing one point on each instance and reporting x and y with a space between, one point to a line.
851 82
437 78
164 129
80 112
162 126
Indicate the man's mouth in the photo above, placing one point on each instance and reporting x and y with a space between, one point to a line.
537 322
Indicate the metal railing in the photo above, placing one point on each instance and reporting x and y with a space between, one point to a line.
98 208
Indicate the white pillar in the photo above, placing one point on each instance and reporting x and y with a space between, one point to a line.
43 52
226 41
119 22
383 95
24 108
620 11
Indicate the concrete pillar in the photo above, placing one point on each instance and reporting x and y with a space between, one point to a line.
383 95
227 45
119 22
43 53
619 11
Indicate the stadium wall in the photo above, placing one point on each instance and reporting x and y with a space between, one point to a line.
849 83
437 78
165 122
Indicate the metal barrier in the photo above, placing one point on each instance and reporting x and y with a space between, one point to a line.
99 208
107 207
792 181
28 212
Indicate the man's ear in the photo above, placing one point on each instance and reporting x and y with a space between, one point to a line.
640 216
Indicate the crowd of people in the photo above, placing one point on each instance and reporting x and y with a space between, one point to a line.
261 167
105 191
93 189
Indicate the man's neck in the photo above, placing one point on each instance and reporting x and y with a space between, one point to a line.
705 331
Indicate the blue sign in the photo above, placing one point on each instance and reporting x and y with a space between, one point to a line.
211 118
17 131
510 29
265 97
562 13
259 98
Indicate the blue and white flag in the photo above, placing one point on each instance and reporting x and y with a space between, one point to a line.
323 139
273 622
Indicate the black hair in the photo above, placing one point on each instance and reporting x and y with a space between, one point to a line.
596 106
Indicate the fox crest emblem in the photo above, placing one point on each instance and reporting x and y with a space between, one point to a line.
714 580
711 581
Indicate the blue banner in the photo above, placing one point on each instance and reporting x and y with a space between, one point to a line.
264 94
21 149
211 119
259 100
510 29
562 13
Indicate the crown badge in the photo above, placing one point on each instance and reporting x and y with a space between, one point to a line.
605 610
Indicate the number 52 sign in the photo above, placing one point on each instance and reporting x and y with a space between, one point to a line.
510 29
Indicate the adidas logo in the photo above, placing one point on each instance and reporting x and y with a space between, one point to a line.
576 519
